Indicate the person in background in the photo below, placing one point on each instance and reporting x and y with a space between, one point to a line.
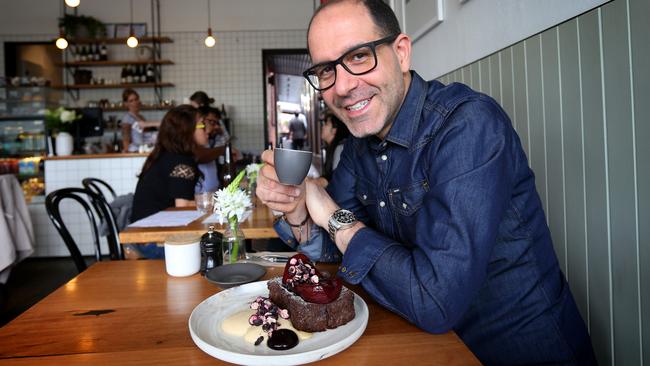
136 131
433 205
169 174
210 181
334 133
297 132
217 133
200 99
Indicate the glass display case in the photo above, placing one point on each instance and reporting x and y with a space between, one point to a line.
23 136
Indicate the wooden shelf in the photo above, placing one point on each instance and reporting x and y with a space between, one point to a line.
119 40
113 86
115 63
142 108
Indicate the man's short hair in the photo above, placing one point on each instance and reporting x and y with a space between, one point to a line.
382 15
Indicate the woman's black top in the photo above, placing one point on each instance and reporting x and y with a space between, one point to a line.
170 177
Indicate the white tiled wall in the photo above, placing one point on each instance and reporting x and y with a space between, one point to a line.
120 173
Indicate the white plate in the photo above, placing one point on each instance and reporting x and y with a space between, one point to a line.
205 329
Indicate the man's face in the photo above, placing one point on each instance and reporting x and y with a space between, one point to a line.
212 126
367 103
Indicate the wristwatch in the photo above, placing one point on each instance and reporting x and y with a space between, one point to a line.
341 219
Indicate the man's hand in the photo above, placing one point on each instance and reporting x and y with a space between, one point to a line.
280 197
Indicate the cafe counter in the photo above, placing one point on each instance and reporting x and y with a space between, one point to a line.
120 171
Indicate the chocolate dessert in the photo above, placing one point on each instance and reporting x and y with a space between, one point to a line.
315 303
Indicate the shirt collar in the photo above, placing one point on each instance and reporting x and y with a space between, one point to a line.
406 123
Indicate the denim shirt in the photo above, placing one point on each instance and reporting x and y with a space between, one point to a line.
455 237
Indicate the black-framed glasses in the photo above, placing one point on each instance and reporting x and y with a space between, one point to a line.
360 60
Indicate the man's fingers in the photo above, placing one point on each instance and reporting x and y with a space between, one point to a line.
267 157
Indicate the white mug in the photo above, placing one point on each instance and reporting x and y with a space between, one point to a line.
182 255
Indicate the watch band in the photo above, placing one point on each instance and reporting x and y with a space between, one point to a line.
340 219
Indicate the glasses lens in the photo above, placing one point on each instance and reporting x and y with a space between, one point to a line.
322 76
360 60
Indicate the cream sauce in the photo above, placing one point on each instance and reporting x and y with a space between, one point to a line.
237 325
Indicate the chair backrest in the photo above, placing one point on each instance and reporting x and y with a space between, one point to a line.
95 185
83 197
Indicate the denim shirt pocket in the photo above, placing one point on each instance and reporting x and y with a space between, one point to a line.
407 200
367 196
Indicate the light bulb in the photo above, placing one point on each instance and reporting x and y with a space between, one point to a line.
72 3
132 42
210 41
61 43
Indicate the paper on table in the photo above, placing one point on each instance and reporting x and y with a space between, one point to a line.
168 218
214 218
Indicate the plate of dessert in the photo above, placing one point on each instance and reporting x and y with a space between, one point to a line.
303 316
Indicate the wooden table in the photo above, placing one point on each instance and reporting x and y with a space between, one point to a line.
132 312
258 226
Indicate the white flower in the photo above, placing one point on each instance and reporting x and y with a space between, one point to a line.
230 203
253 169
68 116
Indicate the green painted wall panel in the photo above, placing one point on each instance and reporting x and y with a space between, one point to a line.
507 101
484 74
640 50
576 242
596 190
520 94
554 145
476 81
620 155
495 78
537 142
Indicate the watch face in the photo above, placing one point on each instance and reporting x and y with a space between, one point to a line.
344 217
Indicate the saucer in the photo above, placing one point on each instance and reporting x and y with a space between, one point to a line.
229 275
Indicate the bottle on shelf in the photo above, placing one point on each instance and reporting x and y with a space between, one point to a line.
83 54
129 74
143 74
123 75
227 166
74 53
151 74
103 52
97 54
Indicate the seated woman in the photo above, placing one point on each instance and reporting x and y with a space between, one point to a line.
333 132
136 131
210 181
169 174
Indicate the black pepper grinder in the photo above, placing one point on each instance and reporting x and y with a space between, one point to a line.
211 253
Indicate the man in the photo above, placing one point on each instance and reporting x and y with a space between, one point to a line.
297 132
217 133
446 228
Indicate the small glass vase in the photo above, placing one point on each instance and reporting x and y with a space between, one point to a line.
233 243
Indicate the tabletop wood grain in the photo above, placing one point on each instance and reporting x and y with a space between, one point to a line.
133 313
258 226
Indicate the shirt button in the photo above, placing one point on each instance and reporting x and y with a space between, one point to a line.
289 241
384 157
382 204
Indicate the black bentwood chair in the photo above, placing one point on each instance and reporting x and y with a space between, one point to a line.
83 196
95 185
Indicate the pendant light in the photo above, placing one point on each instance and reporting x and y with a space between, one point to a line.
132 41
61 43
209 40
72 3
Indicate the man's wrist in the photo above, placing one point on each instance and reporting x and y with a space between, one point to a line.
343 237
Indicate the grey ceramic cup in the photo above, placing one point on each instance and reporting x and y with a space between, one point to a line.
291 166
